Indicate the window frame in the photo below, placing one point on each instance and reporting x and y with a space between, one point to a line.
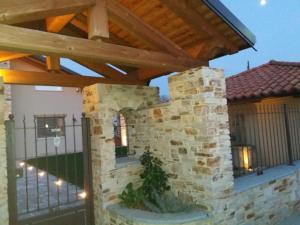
50 116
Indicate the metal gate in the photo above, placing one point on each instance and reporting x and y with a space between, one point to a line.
49 171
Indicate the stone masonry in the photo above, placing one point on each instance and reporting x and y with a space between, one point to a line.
101 104
190 135
3 162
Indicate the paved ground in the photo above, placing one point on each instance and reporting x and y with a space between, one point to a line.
292 220
40 191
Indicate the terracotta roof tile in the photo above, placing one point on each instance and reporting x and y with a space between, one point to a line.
271 79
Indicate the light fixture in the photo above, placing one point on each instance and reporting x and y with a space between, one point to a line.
41 174
58 183
82 195
21 164
46 125
30 168
263 2
244 158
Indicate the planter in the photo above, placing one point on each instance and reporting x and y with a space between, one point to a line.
120 215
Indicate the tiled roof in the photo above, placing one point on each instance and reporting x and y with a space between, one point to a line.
272 79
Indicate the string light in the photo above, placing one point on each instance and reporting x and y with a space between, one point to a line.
83 195
58 183
41 174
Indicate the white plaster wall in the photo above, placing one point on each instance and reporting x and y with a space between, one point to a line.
26 101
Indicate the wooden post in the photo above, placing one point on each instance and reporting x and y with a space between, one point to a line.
53 63
97 21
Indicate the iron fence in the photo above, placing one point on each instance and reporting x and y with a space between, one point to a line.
49 166
263 136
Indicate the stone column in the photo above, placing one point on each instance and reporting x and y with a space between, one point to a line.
3 159
199 97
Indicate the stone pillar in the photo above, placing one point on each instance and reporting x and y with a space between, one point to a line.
3 157
199 97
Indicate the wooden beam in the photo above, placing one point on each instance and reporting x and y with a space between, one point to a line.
97 21
107 71
5 56
147 74
44 43
16 11
53 79
57 23
113 39
53 63
185 10
125 19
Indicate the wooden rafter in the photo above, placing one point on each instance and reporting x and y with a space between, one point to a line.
82 25
134 25
108 72
43 43
5 56
185 10
57 23
98 21
54 79
203 50
16 11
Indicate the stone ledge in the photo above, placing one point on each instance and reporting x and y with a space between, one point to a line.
245 183
144 217
126 161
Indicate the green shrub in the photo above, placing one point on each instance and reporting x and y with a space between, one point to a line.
153 194
131 198
155 180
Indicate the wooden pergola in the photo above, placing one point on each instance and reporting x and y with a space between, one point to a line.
144 38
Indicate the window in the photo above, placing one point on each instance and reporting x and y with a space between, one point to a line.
50 126
48 88
120 135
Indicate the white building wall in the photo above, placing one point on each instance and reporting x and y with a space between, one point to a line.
28 102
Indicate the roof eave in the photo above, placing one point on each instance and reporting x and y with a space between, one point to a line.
222 11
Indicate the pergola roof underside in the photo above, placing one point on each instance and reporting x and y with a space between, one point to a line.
168 22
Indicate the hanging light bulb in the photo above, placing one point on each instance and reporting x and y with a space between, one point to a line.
83 195
58 183
41 174
263 2
30 168
21 164
46 125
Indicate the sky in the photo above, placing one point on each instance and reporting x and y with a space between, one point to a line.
276 26
277 29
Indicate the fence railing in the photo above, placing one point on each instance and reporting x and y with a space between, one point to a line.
264 136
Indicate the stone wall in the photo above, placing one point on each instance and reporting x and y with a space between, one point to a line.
5 109
7 93
265 204
101 104
189 134
3 162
